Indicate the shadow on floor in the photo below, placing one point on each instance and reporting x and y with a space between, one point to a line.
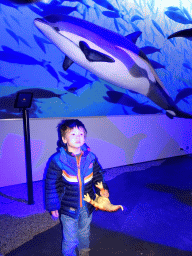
13 198
103 242
182 195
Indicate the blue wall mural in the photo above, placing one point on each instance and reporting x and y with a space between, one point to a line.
30 62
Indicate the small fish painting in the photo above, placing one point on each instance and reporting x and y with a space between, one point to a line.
178 17
186 33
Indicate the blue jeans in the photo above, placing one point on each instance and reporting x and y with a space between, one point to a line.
75 232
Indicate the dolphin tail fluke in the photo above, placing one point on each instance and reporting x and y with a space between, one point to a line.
178 113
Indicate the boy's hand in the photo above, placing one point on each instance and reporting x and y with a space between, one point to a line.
104 193
55 214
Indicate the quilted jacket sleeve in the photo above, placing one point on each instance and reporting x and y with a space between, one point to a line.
98 176
53 187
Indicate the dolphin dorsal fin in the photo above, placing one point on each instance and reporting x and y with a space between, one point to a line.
93 55
134 36
67 62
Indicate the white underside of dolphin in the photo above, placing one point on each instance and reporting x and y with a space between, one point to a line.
108 55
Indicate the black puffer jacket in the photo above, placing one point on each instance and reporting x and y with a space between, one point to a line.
67 182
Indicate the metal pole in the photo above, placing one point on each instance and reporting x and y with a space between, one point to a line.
28 156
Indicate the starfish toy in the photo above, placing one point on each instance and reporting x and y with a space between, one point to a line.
102 203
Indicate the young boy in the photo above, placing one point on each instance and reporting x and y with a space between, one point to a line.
72 173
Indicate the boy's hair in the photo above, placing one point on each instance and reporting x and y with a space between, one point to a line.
69 124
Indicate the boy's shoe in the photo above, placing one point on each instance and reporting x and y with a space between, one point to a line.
84 252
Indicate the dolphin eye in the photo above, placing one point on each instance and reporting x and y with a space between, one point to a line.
57 29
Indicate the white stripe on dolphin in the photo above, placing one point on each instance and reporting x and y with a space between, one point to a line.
110 56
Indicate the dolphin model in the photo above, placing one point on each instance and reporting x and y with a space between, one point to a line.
110 56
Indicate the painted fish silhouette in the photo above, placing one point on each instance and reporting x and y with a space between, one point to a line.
136 17
11 56
186 33
111 14
178 17
120 98
13 35
126 100
150 49
156 25
184 93
5 79
39 93
106 4
9 4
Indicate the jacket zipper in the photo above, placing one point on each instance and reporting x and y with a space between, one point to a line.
79 178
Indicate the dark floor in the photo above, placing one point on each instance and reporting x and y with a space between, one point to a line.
157 219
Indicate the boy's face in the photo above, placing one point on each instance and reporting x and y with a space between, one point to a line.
74 138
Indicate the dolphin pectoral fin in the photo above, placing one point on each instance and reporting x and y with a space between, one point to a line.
67 63
93 55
